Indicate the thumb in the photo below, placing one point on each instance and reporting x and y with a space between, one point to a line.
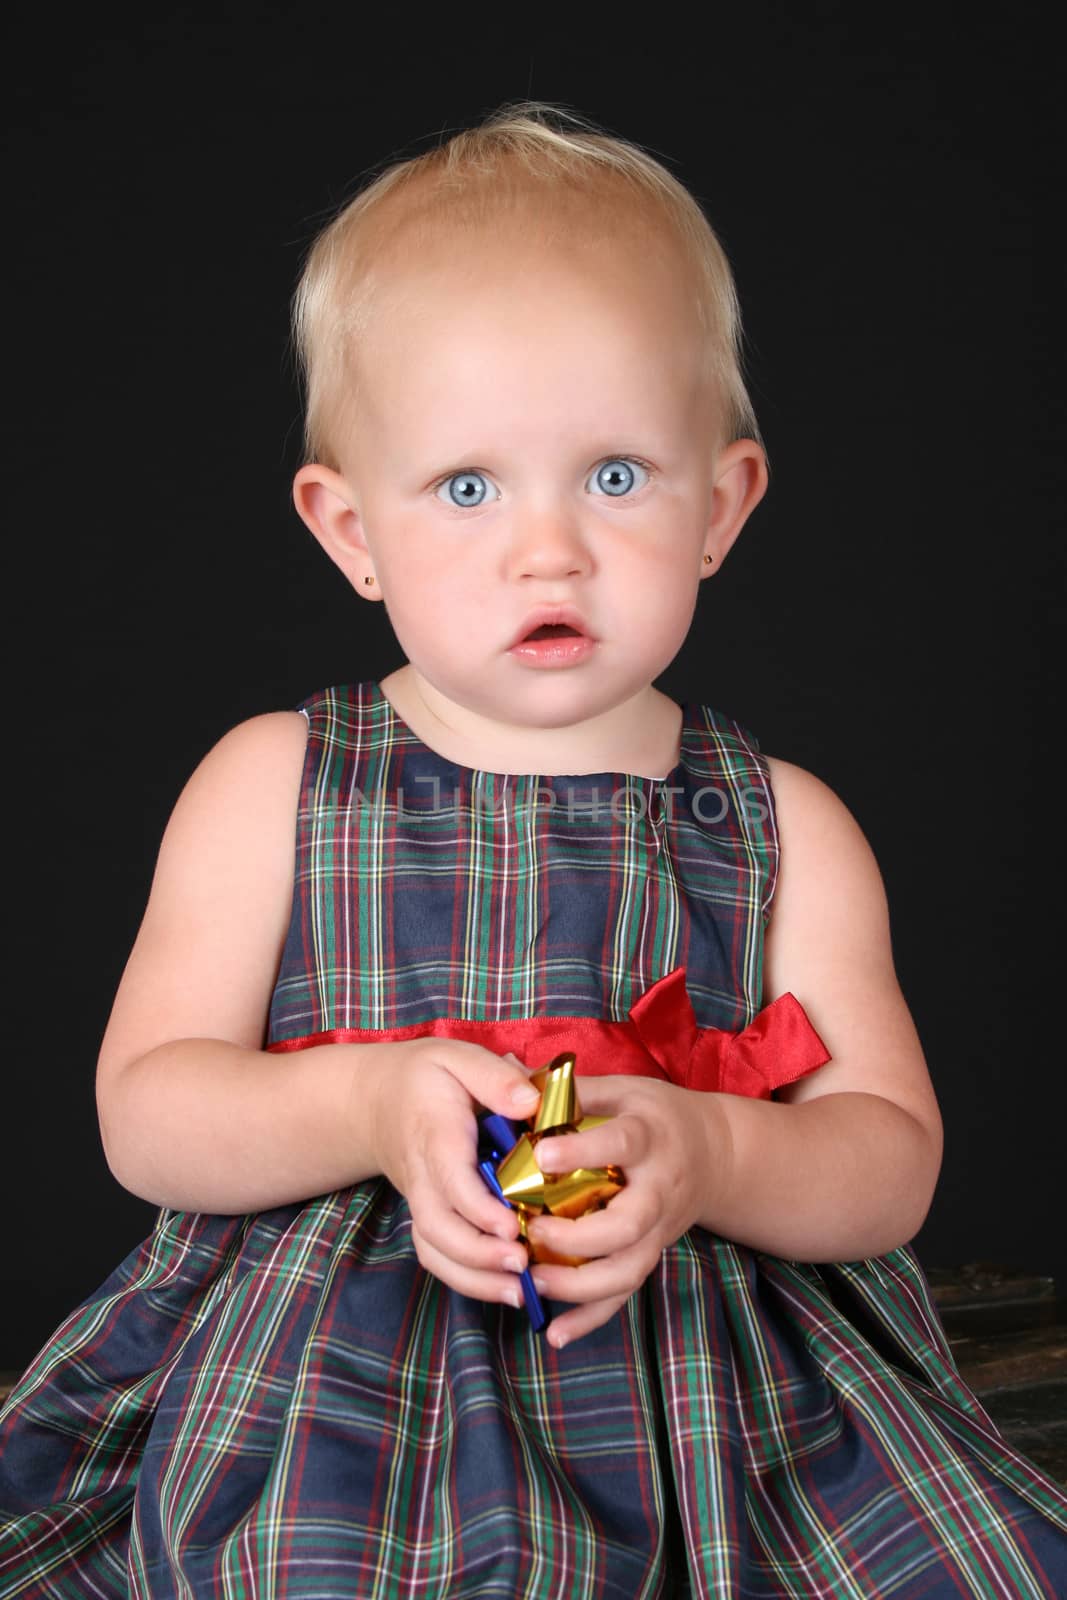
499 1083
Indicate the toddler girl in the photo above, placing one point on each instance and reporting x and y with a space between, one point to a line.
528 436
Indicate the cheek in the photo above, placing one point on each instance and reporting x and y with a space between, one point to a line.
427 606
670 568
677 591
678 619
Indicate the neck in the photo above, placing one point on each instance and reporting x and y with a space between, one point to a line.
641 736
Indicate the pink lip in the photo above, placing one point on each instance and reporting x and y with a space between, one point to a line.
547 616
562 651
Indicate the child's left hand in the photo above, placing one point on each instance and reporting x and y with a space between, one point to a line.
673 1146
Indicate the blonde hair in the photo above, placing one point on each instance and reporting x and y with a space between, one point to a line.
525 150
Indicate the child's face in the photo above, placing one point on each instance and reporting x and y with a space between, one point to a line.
528 391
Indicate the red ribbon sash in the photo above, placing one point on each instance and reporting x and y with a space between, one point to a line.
659 1039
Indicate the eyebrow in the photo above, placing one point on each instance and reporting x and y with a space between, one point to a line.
606 449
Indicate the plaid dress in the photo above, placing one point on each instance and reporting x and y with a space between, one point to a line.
288 1405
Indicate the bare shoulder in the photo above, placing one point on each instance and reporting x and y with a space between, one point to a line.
829 894
803 798
828 942
819 835
259 757
207 952
236 813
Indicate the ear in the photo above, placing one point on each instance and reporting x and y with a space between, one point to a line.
740 484
325 502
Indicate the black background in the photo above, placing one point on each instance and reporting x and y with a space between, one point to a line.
872 174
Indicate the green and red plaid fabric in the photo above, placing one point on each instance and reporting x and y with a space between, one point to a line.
287 1405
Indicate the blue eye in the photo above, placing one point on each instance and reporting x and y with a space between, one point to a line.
466 489
617 477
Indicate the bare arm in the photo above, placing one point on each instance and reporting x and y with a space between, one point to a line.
193 1112
840 1167
843 1164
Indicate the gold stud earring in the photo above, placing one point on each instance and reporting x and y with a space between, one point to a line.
707 561
368 581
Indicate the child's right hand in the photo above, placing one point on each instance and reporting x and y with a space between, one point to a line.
423 1101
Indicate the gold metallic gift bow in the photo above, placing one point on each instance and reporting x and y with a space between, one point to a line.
564 1194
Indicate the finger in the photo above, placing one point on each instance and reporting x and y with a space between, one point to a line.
451 1166
627 1218
605 1095
453 1236
501 1288
620 1141
466 1191
563 1330
600 1279
500 1083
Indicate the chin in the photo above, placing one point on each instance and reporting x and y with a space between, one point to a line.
562 704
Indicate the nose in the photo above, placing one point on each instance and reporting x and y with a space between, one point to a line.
548 542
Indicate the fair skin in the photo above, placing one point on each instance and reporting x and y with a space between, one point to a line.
529 386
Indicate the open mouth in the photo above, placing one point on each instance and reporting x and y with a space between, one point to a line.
554 630
557 636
